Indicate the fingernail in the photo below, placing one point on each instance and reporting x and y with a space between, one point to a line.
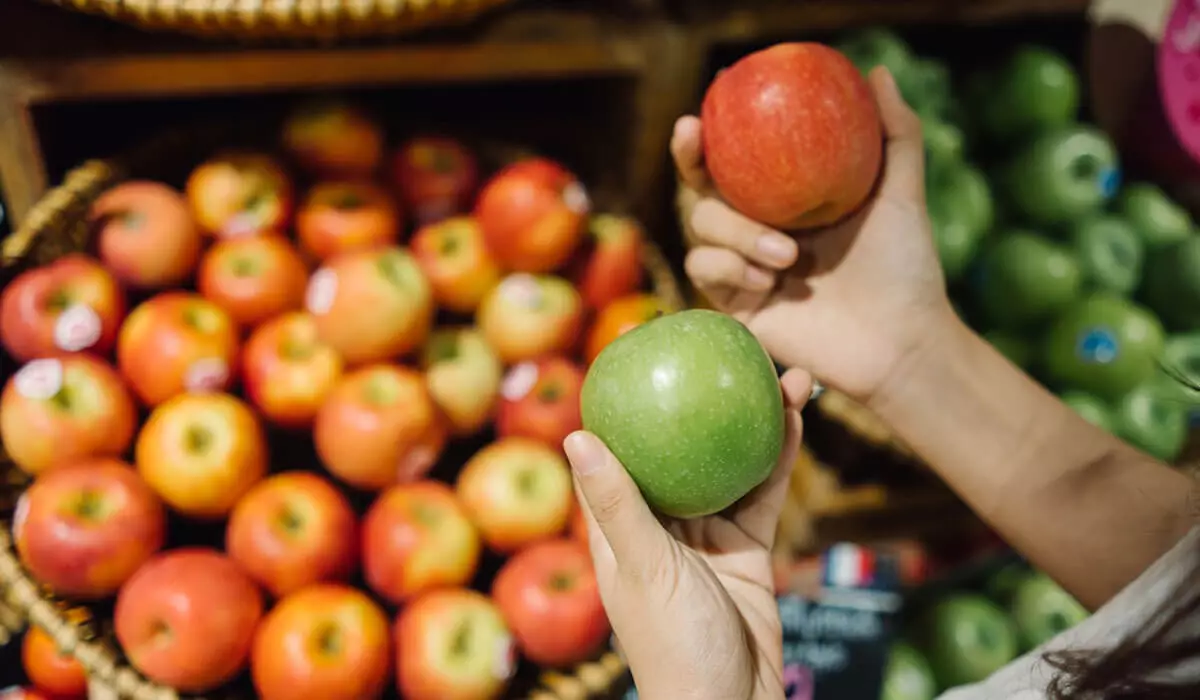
777 248
584 453
758 279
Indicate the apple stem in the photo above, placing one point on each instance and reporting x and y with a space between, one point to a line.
443 161
58 300
449 244
462 639
346 201
198 438
527 481
548 393
560 581
63 398
389 269
329 639
243 267
443 347
90 505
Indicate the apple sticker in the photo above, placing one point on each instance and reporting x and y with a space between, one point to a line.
39 380
240 225
519 381
20 514
77 328
522 289
505 662
1098 346
322 289
576 198
208 374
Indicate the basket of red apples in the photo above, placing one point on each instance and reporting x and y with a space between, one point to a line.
286 422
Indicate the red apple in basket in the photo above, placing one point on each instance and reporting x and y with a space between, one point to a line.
371 305
517 491
238 194
577 528
291 530
529 316
463 375
55 411
201 453
379 427
540 400
342 216
792 136
453 644
52 671
145 234
435 176
329 138
325 642
187 619
611 266
177 342
533 214
287 371
253 279
618 318
455 259
71 305
417 537
551 601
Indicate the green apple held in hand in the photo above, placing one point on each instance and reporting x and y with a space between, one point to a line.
1104 345
878 46
1109 251
1024 279
1035 91
1158 220
1152 422
1089 408
690 403
907 675
1042 610
1063 175
1171 284
966 638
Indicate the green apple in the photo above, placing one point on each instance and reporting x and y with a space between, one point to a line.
1152 422
1091 408
1025 279
907 675
878 46
1042 610
1109 252
955 235
1062 175
1001 585
967 184
690 403
1015 347
966 638
944 143
1104 345
1157 219
926 87
1036 90
1171 284
1179 378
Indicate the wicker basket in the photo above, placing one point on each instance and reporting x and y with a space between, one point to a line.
286 19
56 226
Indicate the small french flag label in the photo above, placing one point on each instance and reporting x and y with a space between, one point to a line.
849 566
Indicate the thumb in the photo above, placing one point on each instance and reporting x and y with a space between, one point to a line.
905 166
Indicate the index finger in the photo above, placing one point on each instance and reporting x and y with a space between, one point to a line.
687 149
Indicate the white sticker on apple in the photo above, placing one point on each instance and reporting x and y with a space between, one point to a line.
519 381
522 289
240 225
39 380
576 198
208 374
322 289
77 328
20 514
505 663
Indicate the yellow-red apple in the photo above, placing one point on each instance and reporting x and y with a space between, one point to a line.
529 316
455 259
238 194
145 234
330 138
611 266
618 318
51 670
287 371
343 216
253 279
540 400
463 375
435 176
533 214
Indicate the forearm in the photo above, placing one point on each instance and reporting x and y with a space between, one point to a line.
1079 503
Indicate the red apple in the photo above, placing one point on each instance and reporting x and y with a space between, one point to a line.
145 234
530 316
83 529
58 674
792 136
533 214
416 538
177 342
239 194
611 267
379 427
71 305
253 279
342 216
325 642
618 318
551 601
187 619
329 138
540 400
201 453
55 411
372 305
577 528
436 177
454 257
453 644
463 375
517 491
287 371
292 530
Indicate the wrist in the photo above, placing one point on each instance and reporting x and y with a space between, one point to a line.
918 366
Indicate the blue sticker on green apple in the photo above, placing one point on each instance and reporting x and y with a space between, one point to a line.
1109 181
1098 346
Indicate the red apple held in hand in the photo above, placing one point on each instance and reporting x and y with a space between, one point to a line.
435 176
551 601
792 136
463 375
453 644
71 305
329 138
612 265
55 411
343 216
371 306
324 642
533 214
287 371
177 342
201 453
618 318
145 234
50 670
292 530
517 491
379 427
529 316
83 529
540 401
240 194
455 259
187 619
253 279
417 538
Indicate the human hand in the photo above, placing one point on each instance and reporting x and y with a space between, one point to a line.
849 303
691 602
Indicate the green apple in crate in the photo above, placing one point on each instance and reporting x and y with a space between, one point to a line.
907 675
1014 346
1041 610
1091 408
955 235
1103 344
1002 583
1179 377
945 143
1151 420
1034 91
966 638
1158 220
878 46
1025 279
1109 251
1062 175
927 88
1171 285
